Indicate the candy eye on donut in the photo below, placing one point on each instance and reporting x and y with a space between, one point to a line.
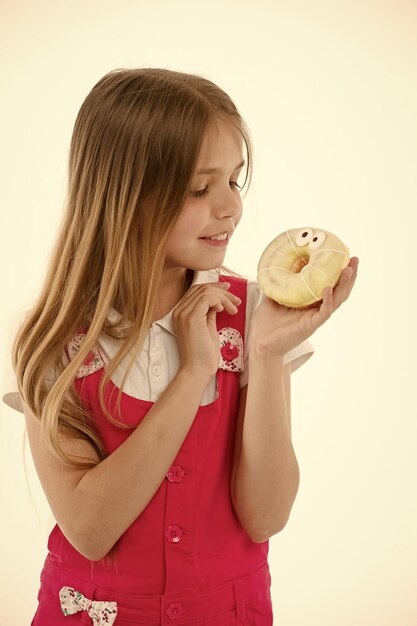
316 241
304 237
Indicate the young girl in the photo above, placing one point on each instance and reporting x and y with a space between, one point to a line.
156 388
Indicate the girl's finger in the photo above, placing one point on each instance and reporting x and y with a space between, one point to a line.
342 288
207 303
204 300
354 274
195 292
325 309
328 301
220 289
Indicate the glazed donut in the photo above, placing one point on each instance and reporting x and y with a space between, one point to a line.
298 264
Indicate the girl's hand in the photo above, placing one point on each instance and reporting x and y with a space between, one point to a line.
194 322
276 329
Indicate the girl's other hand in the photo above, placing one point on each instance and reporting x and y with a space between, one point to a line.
276 329
194 322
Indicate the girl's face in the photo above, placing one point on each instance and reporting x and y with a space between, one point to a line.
214 206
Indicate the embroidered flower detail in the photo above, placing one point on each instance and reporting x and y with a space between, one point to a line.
229 352
93 361
231 349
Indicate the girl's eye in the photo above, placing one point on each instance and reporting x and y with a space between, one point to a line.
200 193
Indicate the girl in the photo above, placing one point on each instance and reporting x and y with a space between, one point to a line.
156 388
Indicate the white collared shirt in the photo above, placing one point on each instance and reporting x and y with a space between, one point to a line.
159 358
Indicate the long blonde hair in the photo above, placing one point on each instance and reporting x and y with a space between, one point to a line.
133 151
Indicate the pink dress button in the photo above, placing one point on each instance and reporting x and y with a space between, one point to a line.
175 610
173 534
175 474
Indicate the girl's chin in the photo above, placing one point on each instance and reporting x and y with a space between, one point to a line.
205 258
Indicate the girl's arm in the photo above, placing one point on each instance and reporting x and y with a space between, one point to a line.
265 473
94 507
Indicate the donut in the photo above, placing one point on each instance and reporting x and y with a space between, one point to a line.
297 265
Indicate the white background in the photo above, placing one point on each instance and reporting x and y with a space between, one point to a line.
328 89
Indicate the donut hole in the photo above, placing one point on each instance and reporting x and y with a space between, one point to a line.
298 265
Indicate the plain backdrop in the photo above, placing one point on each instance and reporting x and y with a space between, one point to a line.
328 89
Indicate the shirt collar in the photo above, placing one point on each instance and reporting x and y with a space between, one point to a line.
204 276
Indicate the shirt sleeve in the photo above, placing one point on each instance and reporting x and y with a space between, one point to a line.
297 356
9 389
10 393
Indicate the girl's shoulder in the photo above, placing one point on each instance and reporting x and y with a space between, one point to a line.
94 360
104 350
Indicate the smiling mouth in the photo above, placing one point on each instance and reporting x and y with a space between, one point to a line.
220 237
217 243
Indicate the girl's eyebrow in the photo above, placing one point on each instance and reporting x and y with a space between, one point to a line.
218 169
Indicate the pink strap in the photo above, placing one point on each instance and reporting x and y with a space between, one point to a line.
231 328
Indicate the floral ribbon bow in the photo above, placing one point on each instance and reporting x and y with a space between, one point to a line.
101 613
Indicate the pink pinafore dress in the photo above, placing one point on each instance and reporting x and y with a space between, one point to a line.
186 559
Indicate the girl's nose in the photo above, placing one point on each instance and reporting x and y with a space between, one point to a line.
229 205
